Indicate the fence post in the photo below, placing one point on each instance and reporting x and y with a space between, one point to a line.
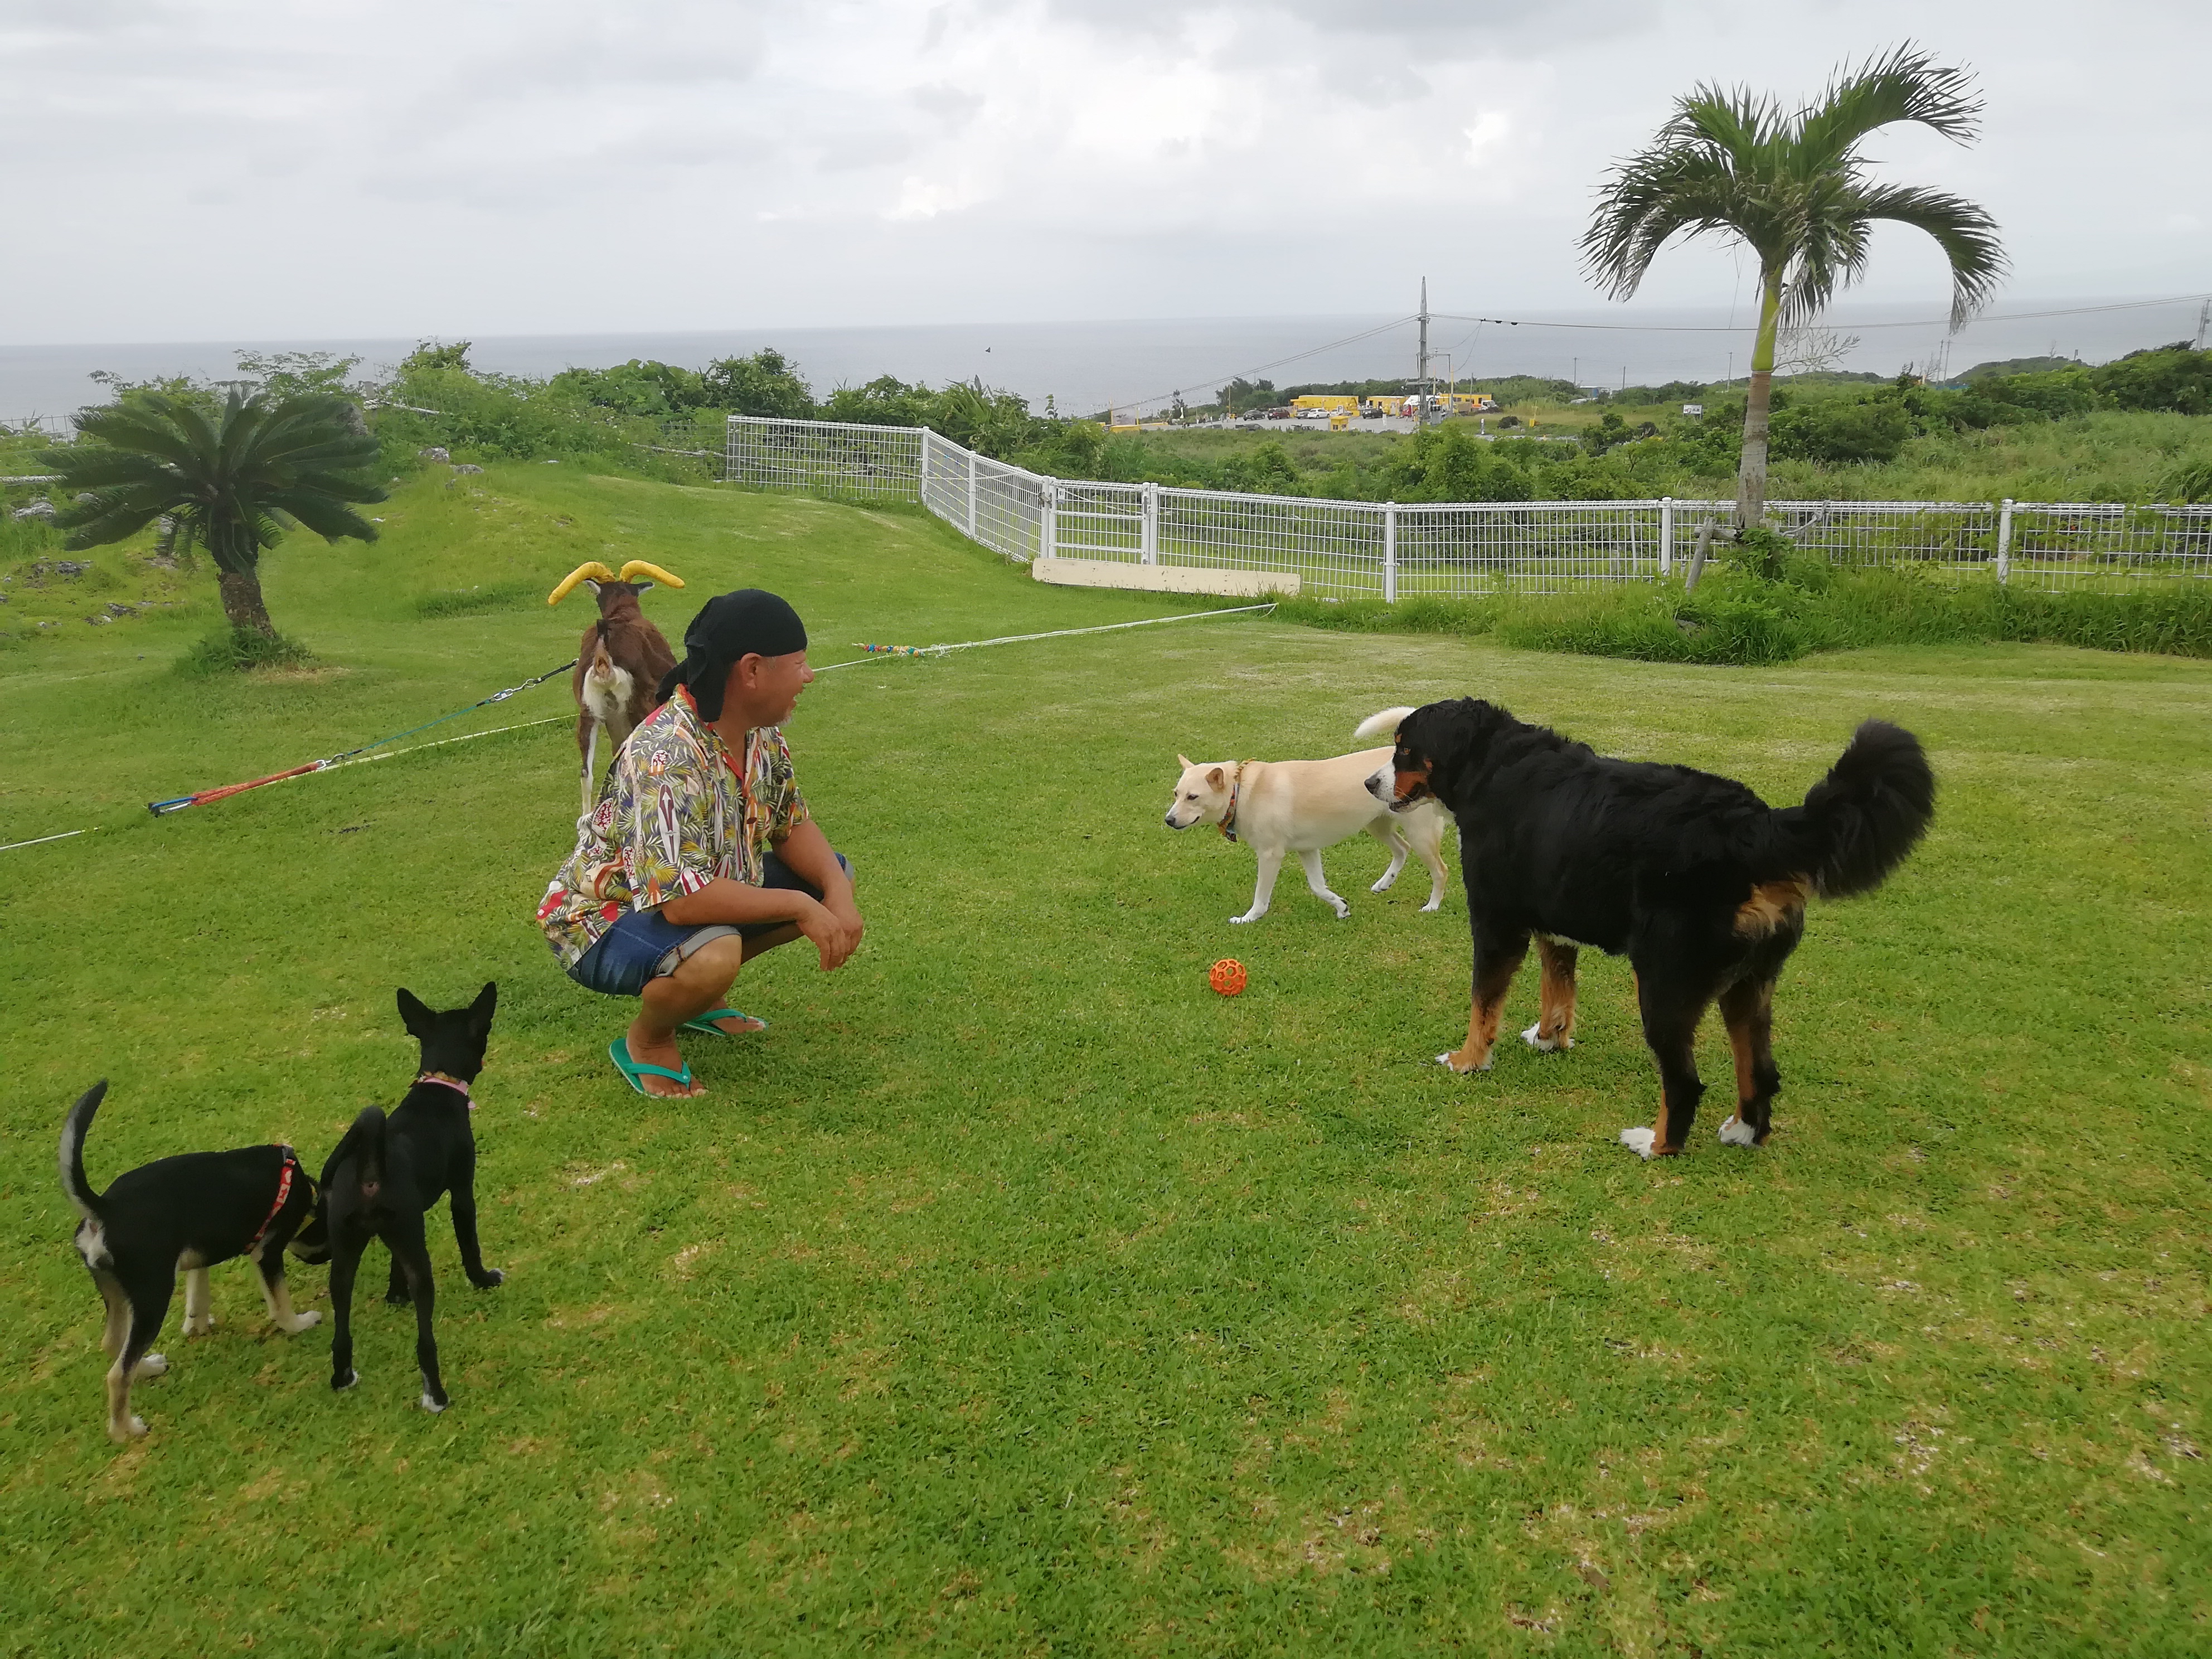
1390 552
1048 520
921 491
1148 540
971 495
2004 541
1666 535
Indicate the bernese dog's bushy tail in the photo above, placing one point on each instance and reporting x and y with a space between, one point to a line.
1859 822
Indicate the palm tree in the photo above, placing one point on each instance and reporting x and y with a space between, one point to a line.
234 482
1793 189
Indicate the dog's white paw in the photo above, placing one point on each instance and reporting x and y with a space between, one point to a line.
433 1406
351 1380
1639 1140
300 1321
1445 1060
1238 921
1342 910
132 1430
1736 1133
1432 906
1534 1037
153 1365
198 1325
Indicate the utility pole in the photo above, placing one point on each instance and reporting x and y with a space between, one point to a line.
2204 319
1421 368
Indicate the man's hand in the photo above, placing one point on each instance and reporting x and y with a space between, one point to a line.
835 936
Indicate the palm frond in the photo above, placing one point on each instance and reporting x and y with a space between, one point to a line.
1966 232
326 518
1905 85
102 529
89 468
1738 123
1650 200
127 425
344 486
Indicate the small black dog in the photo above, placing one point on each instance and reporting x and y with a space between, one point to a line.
387 1172
186 1213
1694 878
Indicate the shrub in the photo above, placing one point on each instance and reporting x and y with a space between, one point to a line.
1449 463
1835 432
1739 617
237 648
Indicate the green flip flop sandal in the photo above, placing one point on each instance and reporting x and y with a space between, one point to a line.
632 1070
706 1023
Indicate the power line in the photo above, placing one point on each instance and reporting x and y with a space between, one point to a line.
1261 369
1930 322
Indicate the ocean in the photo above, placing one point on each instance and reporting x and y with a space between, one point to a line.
1086 366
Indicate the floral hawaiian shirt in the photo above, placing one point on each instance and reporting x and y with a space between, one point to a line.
677 810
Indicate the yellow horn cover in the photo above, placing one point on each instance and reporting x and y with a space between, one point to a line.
589 568
636 567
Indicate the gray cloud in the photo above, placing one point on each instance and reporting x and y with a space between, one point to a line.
568 165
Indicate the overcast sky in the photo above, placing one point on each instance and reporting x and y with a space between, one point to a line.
258 169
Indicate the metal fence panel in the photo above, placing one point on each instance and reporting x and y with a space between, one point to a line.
1098 520
1011 507
1527 547
1335 548
2103 544
835 457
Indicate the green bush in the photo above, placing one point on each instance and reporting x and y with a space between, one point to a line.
1737 617
236 649
1836 433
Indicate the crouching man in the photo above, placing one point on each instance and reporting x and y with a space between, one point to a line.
700 853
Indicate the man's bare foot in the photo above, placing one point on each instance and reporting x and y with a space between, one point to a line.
646 1050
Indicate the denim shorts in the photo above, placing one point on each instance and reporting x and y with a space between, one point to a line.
645 945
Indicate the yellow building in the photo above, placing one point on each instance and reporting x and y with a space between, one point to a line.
1336 403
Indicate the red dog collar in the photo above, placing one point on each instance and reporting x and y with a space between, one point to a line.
289 1168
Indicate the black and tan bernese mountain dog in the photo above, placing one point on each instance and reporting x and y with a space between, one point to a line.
1692 878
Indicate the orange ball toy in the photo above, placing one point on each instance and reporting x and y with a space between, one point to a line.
1226 976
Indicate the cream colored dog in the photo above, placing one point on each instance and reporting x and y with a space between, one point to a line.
1302 806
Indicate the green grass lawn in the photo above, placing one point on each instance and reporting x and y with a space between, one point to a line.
1017 1294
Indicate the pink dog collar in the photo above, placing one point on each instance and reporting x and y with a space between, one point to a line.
460 1089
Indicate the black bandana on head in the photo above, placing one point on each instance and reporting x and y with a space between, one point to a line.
730 629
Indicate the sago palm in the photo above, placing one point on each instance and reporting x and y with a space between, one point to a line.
1793 188
233 482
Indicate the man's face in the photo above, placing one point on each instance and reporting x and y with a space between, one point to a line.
763 690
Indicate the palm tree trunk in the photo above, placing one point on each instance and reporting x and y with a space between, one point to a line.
238 557
1751 474
241 602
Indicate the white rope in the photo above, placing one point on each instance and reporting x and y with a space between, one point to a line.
1056 633
39 841
555 720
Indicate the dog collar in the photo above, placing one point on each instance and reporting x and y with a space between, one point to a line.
1229 819
285 1171
460 1089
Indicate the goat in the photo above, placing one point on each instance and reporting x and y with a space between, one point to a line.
621 660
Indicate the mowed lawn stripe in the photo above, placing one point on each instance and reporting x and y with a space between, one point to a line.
1015 1291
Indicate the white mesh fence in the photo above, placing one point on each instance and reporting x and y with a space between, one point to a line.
2106 544
828 457
1347 549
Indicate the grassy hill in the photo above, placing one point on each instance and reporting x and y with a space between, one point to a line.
1014 1292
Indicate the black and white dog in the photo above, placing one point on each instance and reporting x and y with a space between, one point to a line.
386 1173
178 1214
